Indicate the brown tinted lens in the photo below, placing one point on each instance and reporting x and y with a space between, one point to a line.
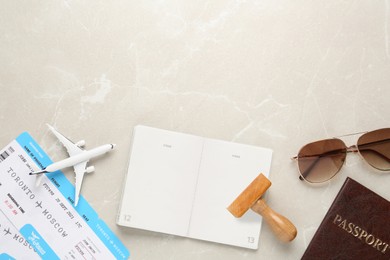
321 160
375 148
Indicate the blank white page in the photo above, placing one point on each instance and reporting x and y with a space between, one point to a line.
161 181
181 184
226 170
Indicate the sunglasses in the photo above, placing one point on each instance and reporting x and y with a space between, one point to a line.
320 161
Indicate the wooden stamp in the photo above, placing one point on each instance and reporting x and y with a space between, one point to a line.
251 198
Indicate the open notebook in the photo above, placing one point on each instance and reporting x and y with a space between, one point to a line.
181 184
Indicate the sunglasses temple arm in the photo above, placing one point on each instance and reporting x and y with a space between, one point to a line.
377 153
295 158
309 169
377 142
314 163
362 148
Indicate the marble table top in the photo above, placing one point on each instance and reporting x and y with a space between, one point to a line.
276 74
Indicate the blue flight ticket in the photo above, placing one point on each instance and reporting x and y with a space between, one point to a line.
13 243
41 221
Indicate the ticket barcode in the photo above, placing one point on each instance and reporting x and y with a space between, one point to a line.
6 153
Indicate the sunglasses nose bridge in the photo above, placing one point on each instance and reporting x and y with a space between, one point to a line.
352 149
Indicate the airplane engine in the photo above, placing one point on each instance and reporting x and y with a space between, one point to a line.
90 169
80 143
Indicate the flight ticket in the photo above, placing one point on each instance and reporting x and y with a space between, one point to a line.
42 220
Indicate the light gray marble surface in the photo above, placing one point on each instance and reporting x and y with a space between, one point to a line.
276 74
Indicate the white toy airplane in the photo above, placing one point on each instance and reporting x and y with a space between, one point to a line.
78 159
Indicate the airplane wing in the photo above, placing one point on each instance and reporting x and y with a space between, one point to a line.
71 147
38 180
79 170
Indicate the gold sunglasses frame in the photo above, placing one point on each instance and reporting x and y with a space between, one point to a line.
349 149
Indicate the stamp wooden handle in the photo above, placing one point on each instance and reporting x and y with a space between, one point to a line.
249 196
280 225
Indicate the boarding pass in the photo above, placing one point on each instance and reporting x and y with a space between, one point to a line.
41 220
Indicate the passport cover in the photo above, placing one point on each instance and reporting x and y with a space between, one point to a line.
356 226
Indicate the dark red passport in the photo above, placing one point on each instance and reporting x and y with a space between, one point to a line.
356 226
